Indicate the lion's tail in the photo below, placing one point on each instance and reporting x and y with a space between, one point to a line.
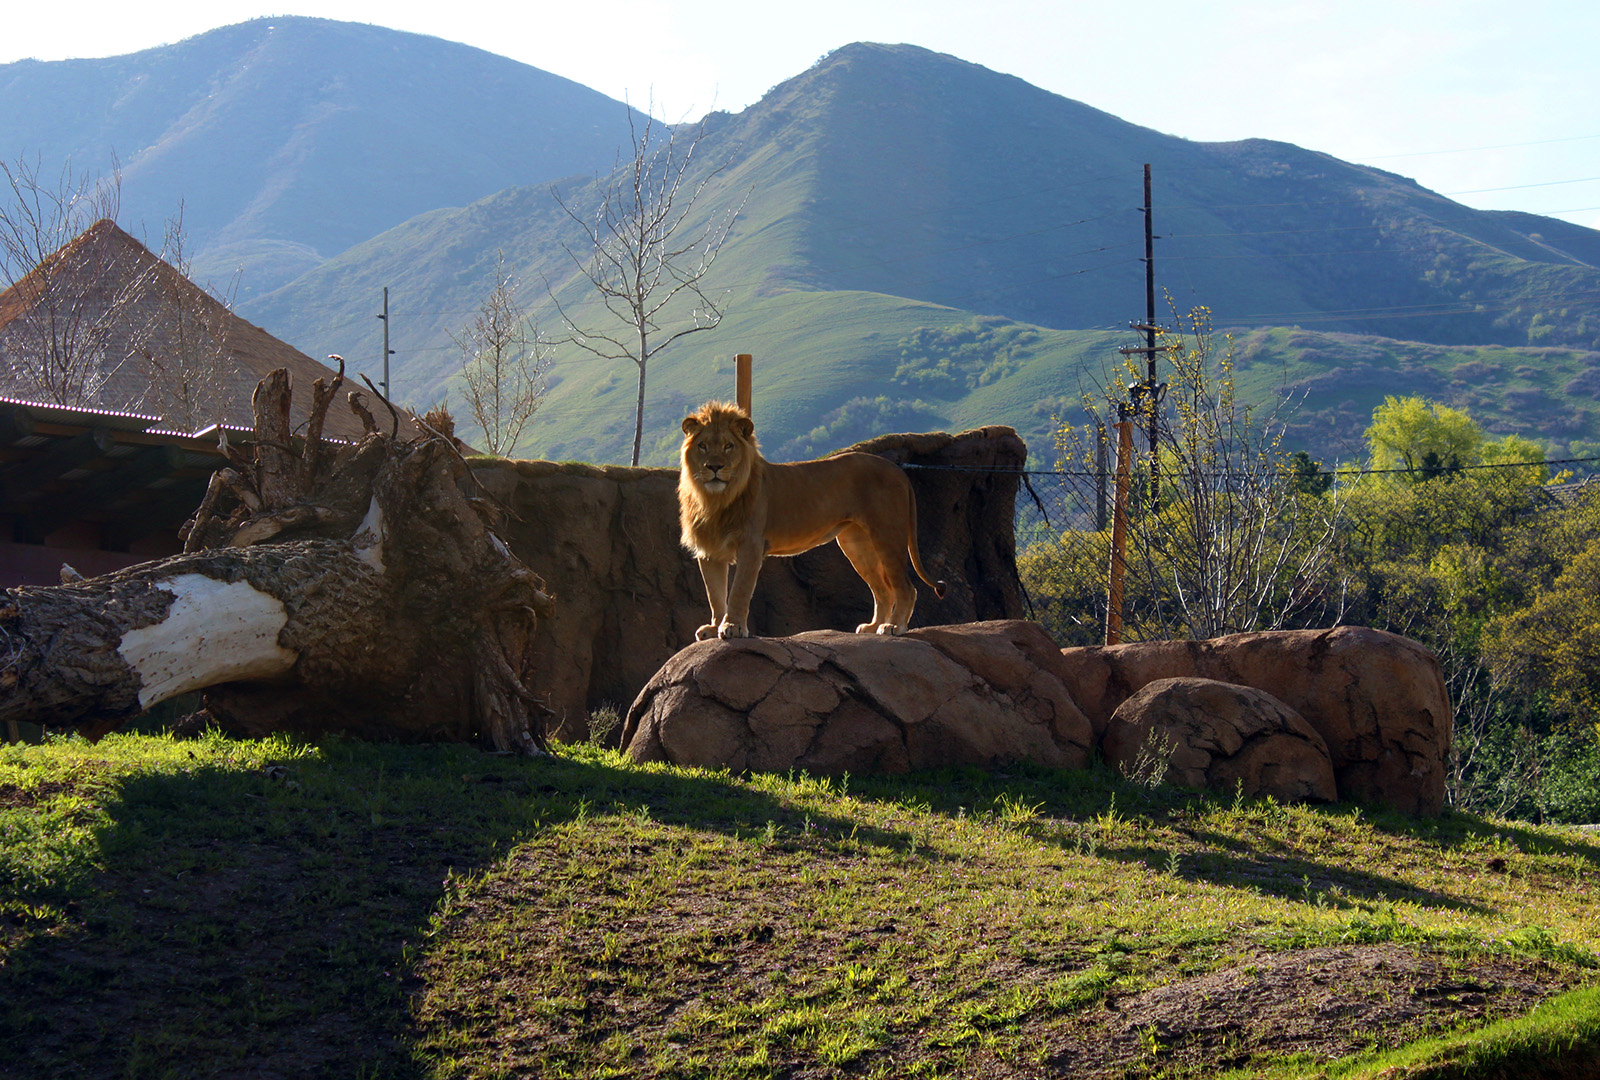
938 587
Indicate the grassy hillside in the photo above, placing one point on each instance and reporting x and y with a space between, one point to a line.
215 908
889 191
1548 394
825 377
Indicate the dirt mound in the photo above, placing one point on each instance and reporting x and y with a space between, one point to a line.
1324 1002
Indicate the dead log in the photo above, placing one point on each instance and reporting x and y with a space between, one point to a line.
358 588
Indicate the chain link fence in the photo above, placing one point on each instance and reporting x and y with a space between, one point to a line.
1211 552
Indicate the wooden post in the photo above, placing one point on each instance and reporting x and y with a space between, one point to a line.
741 381
1119 533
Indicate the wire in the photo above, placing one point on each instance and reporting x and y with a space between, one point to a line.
1476 149
1519 187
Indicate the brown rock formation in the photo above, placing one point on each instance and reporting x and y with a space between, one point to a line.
1378 700
629 597
1204 734
836 702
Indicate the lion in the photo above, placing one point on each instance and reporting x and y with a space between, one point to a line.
737 508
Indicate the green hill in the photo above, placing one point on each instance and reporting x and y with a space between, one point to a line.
897 195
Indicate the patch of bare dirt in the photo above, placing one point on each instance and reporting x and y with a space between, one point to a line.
15 797
1325 1002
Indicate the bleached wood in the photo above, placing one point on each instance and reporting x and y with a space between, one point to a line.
215 632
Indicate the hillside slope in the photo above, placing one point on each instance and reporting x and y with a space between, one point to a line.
345 908
290 139
895 195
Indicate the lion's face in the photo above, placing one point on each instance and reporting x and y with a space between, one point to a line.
718 449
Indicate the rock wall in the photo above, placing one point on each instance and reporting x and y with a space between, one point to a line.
1378 700
831 702
1349 713
628 597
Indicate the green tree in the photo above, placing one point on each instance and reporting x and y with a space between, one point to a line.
1309 476
1422 437
1454 553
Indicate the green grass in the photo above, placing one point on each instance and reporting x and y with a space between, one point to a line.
1560 1038
213 907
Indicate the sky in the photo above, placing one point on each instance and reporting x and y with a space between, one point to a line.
1492 102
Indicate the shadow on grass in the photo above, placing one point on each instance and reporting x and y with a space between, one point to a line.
1456 830
1267 866
1291 878
262 923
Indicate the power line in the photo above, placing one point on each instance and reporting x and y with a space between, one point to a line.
1477 149
1519 187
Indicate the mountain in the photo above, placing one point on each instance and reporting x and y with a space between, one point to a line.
288 140
929 243
923 242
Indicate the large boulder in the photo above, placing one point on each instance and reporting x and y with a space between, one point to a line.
1204 734
830 702
1377 699
628 596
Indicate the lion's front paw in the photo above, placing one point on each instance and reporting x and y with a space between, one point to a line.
730 630
889 629
709 630
867 628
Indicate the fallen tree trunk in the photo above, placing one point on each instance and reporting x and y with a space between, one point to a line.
323 588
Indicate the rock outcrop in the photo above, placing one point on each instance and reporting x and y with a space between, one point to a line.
1377 699
628 596
1348 713
1209 735
834 702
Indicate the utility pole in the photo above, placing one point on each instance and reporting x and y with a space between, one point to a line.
1150 392
387 352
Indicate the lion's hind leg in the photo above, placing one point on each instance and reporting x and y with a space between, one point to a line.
903 599
856 543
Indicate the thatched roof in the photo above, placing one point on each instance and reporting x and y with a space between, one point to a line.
106 270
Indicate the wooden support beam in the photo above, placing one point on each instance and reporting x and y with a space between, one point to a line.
105 489
20 482
1119 533
741 381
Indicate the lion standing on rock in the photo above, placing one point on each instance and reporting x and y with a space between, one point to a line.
737 508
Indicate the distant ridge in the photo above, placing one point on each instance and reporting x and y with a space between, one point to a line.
290 139
928 243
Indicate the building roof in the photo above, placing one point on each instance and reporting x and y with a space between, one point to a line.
141 307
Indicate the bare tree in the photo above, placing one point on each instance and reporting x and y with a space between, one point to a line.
1235 540
74 288
1236 543
504 364
190 363
647 253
